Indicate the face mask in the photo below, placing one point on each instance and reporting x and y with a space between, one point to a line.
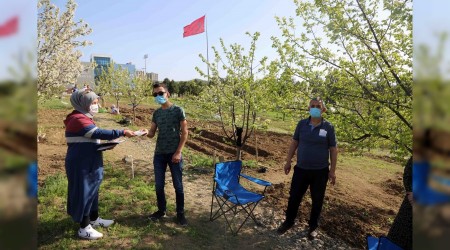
160 99
93 109
314 112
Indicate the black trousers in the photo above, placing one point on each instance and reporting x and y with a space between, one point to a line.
401 230
316 180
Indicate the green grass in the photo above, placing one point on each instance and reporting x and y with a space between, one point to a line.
54 186
250 164
102 110
56 103
275 121
441 163
129 201
191 108
196 159
53 223
365 164
10 161
200 160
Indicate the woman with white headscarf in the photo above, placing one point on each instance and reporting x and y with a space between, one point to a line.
84 164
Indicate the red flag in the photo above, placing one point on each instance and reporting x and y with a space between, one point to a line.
196 27
10 27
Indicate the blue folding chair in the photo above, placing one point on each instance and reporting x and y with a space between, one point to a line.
231 197
423 193
32 177
382 243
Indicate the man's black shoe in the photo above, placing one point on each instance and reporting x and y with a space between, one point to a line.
284 227
157 215
181 219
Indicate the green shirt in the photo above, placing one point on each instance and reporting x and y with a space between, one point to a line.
168 124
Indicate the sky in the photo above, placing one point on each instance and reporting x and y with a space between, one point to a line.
430 19
127 30
17 46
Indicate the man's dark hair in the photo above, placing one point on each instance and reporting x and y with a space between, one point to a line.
319 100
157 85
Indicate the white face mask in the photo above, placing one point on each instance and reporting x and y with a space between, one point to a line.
93 109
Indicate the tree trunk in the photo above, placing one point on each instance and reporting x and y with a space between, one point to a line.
238 153
238 134
256 147
103 101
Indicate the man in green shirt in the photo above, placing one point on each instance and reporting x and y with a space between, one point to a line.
170 120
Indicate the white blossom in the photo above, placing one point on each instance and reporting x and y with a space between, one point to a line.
58 58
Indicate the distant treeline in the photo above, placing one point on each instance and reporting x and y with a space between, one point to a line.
8 87
181 88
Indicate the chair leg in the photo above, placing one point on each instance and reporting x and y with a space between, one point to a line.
248 209
216 214
249 214
221 203
212 203
225 208
253 215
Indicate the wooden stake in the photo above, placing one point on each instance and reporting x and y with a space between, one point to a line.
132 168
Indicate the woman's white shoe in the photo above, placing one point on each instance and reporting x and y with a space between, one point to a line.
89 233
99 222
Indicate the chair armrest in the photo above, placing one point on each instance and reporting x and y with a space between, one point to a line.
441 179
224 188
256 180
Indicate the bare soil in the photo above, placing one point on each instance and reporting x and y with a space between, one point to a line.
362 202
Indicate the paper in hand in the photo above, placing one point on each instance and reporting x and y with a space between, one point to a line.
139 133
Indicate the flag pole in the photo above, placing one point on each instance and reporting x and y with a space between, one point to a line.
207 46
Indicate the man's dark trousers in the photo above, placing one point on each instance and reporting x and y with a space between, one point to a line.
316 180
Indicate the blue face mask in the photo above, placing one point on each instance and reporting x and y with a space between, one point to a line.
160 99
314 112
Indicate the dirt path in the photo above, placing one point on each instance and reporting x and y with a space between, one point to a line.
364 201
197 188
